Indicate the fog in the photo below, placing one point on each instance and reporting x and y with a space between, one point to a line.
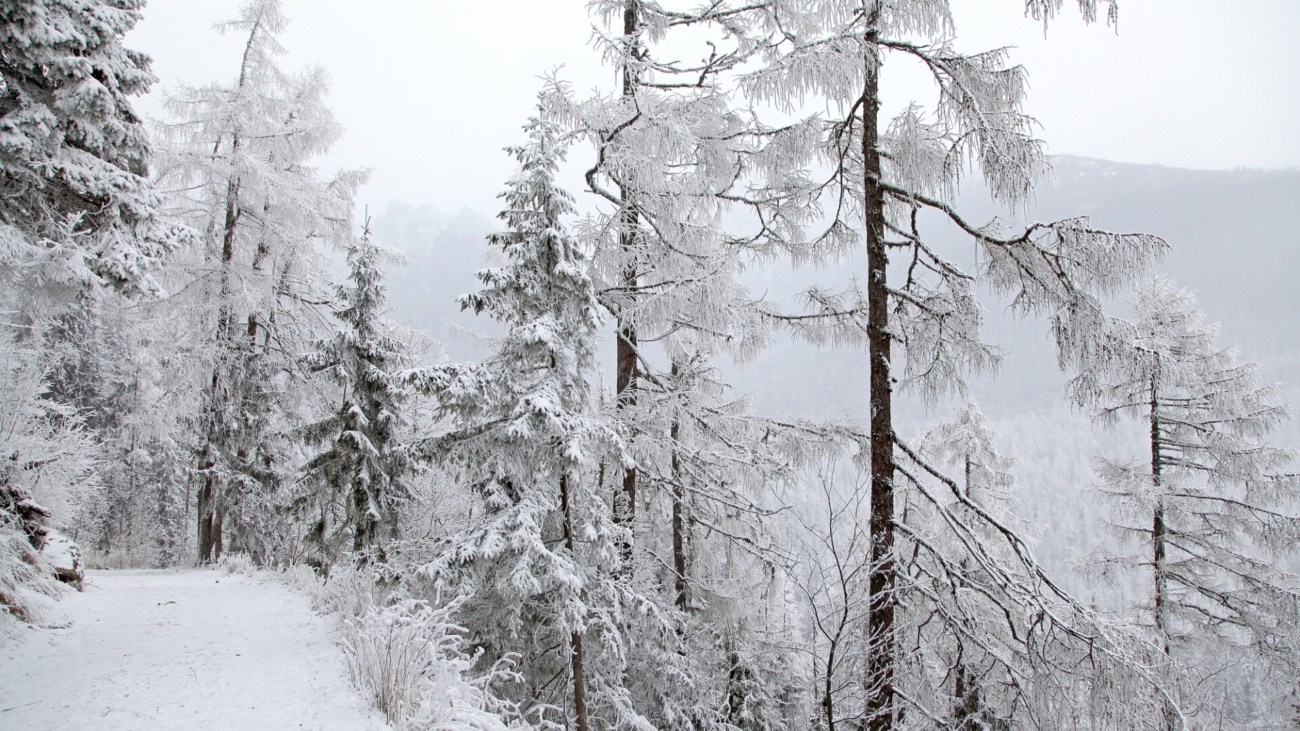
431 91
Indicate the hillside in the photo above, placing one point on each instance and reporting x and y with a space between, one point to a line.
1235 241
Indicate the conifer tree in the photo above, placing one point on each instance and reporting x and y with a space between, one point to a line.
1211 505
695 496
238 158
77 207
365 464
80 223
967 643
668 148
526 434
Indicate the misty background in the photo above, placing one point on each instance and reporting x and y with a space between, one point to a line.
430 93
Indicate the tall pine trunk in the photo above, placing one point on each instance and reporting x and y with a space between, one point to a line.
678 515
879 715
625 358
209 511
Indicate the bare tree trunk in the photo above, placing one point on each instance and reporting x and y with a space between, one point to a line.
579 684
209 521
625 377
1159 538
679 521
217 518
207 462
879 714
575 637
828 685
208 516
365 531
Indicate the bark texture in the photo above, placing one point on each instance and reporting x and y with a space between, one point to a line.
879 712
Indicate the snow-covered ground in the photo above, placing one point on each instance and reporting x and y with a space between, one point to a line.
193 650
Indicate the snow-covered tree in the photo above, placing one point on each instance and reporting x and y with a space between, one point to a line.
989 642
48 467
525 433
365 465
238 159
80 223
864 174
668 147
948 573
703 474
123 365
77 207
1215 513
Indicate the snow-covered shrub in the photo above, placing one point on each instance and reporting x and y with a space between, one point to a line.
407 656
410 659
346 593
27 585
47 462
237 563
49 451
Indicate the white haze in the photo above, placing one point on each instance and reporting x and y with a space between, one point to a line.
430 91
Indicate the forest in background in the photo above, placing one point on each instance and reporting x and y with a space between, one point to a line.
713 442
1233 238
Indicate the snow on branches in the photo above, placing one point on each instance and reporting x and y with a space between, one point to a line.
77 205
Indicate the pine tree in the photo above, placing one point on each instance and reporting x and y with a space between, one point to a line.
77 207
238 158
365 465
528 437
967 643
1211 506
80 224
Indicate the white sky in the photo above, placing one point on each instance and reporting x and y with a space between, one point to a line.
431 90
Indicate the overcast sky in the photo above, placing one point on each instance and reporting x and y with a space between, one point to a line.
431 90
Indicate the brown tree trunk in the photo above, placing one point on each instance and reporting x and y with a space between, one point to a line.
879 714
209 521
1159 538
678 520
217 548
625 358
205 508
365 531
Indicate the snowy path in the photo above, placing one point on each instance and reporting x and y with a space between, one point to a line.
193 650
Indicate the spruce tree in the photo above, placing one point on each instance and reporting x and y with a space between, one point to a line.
365 464
527 435
77 207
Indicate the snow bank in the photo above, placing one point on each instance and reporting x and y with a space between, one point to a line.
27 587
63 557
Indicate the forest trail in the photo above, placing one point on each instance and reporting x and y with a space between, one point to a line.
193 649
